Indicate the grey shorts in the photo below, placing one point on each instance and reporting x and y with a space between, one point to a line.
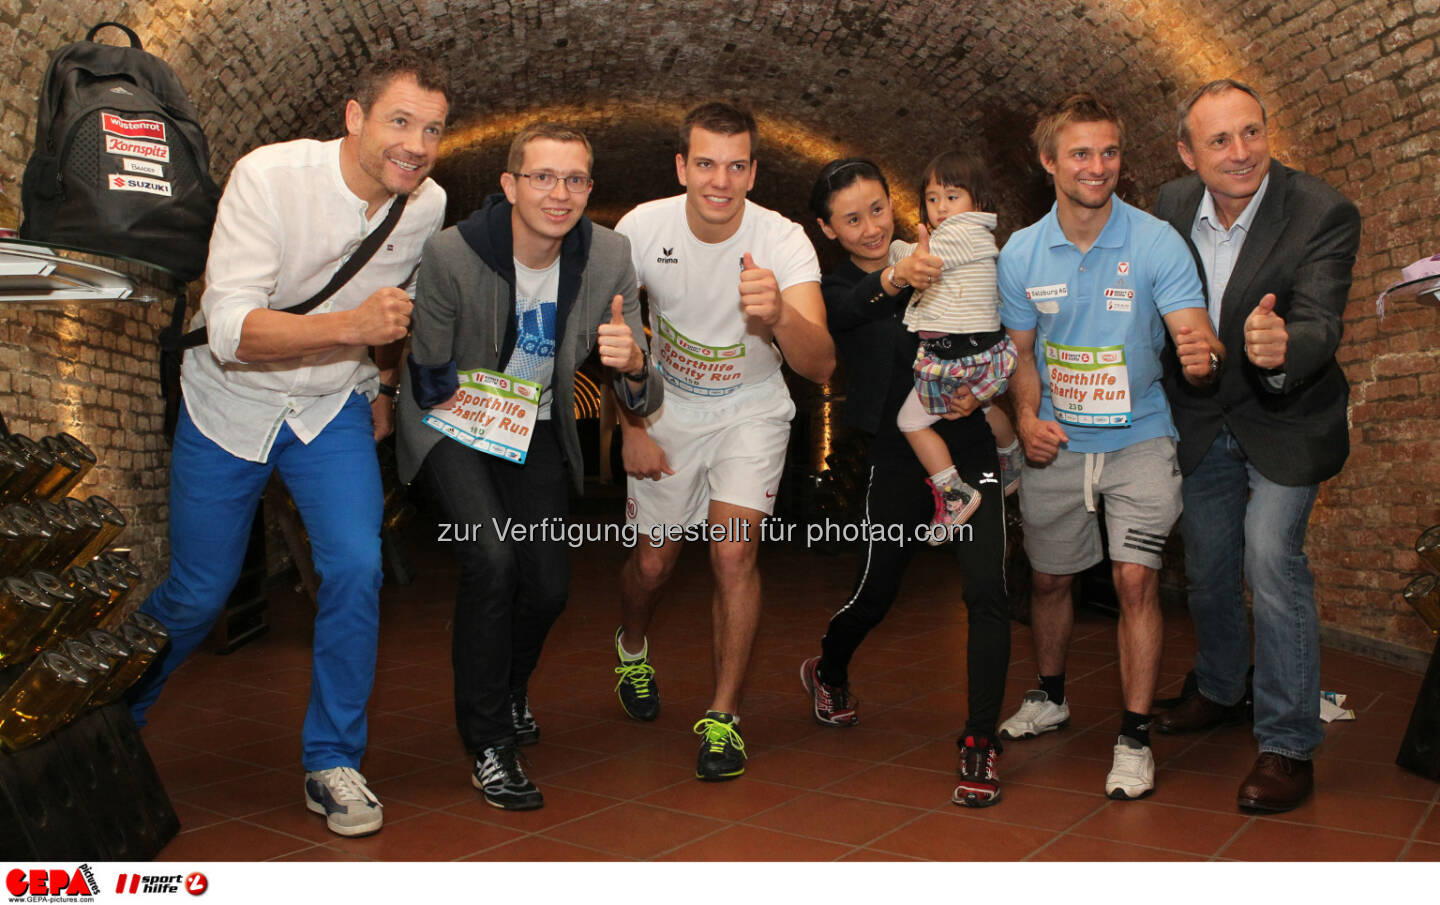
1140 485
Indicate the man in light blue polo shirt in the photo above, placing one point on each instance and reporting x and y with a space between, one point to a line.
1087 294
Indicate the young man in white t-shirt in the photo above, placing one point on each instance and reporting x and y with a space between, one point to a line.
728 280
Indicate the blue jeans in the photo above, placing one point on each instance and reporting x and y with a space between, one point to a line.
335 482
1234 515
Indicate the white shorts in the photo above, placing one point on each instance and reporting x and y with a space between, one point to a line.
730 450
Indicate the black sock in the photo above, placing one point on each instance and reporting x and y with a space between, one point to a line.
1136 726
1054 688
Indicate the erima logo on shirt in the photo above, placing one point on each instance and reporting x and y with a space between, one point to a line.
667 256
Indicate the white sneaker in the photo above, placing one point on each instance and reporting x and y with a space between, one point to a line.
1037 714
1132 773
340 793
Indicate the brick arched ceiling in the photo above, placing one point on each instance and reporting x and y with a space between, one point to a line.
1353 88
898 81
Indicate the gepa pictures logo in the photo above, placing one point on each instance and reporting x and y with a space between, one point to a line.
39 884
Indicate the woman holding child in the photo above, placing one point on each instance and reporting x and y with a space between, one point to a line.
866 299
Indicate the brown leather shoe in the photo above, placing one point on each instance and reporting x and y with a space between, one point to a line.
1276 783
1195 713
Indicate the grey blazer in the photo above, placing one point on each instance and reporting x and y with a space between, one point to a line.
1301 247
461 306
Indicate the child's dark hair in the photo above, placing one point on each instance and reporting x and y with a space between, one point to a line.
958 169
839 175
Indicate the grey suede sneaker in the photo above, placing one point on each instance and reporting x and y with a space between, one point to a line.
340 793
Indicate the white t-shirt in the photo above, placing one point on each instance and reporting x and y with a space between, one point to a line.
699 331
536 296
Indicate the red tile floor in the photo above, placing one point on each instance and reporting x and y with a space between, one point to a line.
225 738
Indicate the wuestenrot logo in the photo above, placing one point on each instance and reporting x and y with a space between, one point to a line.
39 882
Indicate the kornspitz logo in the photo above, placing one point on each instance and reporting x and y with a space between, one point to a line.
52 885
155 884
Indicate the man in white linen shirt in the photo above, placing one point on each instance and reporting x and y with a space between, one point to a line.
299 392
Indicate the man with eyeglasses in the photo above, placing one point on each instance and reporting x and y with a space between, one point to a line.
511 302
731 284
1275 248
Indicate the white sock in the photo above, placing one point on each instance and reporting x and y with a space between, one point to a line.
946 478
625 654
1014 444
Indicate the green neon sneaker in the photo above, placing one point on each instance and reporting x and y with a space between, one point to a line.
638 691
722 754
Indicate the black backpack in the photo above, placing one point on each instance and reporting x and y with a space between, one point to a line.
121 166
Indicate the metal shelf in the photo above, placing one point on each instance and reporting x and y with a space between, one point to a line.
31 272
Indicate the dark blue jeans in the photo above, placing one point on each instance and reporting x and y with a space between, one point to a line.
1238 521
511 591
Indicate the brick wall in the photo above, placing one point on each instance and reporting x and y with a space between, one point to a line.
1354 89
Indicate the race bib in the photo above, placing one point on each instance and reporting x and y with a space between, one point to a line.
1089 386
494 413
696 368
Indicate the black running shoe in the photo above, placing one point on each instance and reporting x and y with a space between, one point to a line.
722 754
499 775
527 731
638 691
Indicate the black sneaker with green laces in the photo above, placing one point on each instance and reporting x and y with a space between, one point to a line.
722 753
638 691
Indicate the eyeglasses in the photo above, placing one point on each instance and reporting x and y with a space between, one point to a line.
576 183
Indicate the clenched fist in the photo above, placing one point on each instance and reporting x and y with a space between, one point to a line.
382 318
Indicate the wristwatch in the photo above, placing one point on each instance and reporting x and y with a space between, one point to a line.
640 375
387 389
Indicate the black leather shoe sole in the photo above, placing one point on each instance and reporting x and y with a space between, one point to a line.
1268 807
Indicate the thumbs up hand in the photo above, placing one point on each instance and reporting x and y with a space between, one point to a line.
759 293
616 342
1265 335
920 268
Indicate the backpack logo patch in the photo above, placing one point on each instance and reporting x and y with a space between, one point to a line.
132 128
130 148
122 183
142 167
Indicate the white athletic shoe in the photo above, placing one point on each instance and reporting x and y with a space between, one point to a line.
1037 715
1132 773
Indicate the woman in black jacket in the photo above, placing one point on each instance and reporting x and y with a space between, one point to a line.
865 300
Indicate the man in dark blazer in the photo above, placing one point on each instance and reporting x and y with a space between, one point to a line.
1275 248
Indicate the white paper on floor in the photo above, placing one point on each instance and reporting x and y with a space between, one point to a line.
1331 708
